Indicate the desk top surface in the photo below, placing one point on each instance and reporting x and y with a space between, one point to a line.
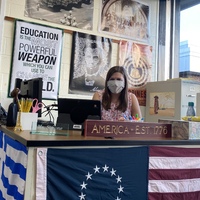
76 139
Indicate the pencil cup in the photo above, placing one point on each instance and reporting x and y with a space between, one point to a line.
27 119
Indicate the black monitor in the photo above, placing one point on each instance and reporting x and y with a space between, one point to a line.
31 88
74 112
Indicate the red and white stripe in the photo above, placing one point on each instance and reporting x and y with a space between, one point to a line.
174 173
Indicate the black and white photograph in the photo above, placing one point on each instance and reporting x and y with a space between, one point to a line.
126 19
78 13
90 61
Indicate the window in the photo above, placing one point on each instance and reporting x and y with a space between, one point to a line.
189 54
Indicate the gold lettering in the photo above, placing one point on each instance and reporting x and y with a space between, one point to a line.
126 131
107 128
143 131
147 129
137 130
102 128
158 130
165 130
120 131
95 129
114 129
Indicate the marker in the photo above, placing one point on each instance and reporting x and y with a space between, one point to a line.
130 117
133 118
136 117
125 117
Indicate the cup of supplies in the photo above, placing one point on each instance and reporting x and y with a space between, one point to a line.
28 118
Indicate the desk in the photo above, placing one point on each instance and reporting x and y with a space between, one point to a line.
75 140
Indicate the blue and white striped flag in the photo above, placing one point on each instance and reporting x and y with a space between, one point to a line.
13 163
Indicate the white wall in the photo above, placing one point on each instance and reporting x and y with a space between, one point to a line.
15 9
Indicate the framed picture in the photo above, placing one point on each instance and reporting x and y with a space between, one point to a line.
162 104
76 13
137 60
126 19
37 53
90 61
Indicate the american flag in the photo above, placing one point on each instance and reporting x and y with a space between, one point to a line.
92 174
174 173
13 163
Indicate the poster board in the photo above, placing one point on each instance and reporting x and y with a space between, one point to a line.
90 61
37 53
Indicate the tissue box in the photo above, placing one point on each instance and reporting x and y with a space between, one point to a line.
184 130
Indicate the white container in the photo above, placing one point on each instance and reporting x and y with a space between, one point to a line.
27 118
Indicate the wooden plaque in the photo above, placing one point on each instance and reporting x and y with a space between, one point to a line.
116 129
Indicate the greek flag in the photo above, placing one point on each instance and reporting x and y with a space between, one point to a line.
13 162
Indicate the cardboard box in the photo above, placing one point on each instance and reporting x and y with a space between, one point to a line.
183 130
169 99
190 75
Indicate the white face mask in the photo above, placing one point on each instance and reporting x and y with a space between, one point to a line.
115 86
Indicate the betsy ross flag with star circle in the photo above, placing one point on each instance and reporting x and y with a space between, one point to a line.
93 173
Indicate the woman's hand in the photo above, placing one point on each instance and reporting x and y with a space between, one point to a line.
121 119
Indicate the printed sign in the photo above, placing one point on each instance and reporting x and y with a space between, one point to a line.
125 129
37 53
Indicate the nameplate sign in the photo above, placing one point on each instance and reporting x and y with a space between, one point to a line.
115 129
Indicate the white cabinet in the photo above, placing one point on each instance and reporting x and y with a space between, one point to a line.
169 99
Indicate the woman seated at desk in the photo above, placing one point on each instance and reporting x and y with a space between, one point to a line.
117 102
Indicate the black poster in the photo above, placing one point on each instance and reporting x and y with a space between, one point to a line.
90 61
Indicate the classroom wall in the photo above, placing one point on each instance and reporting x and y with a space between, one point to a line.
15 10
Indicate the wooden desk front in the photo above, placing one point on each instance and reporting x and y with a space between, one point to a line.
76 140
